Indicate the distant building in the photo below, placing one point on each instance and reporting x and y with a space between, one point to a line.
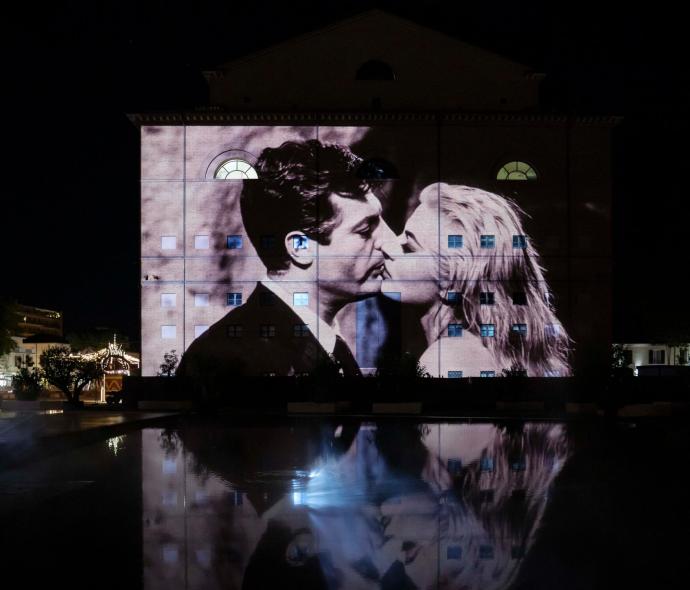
421 107
647 358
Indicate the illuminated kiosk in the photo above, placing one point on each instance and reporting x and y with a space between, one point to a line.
116 364
528 266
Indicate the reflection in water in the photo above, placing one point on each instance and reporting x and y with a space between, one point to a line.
115 443
345 506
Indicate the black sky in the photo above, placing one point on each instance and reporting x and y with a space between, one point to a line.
70 211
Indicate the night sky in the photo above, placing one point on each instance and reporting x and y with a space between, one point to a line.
70 212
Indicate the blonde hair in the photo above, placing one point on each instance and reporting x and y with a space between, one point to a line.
503 270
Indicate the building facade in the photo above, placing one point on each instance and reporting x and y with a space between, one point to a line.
427 114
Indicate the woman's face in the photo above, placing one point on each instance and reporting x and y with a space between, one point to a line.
413 270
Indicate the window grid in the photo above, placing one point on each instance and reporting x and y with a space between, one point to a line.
487 330
300 242
455 241
519 298
487 373
519 241
235 169
300 299
453 297
234 298
516 170
486 298
520 329
300 330
267 331
454 374
454 330
234 331
487 241
234 242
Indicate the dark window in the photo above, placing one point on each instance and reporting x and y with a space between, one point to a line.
234 331
267 331
627 357
453 297
454 330
453 552
455 241
486 552
268 242
375 69
18 362
518 495
517 552
657 357
520 329
301 330
487 241
519 241
519 298
486 298
486 496
454 374
486 464
234 298
267 298
234 242
454 466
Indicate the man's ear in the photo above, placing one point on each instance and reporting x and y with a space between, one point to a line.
300 250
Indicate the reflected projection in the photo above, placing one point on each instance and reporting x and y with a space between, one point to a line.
345 505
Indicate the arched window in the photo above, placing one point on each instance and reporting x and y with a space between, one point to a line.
516 171
235 169
375 69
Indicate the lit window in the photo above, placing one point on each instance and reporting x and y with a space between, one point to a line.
453 552
267 331
454 374
520 329
168 299
301 330
519 241
516 171
168 332
552 330
487 241
455 241
234 242
234 298
235 169
486 552
168 242
234 331
519 298
201 300
487 373
201 242
486 298
268 242
300 299
454 330
487 330
453 297
300 242
169 466
199 330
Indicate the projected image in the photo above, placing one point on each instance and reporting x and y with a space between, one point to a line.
343 506
292 250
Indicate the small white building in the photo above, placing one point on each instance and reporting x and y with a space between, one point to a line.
640 354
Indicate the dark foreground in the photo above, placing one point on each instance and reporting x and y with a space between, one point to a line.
341 503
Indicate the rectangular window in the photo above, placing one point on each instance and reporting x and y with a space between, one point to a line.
267 242
267 298
234 242
519 298
455 241
18 361
520 329
168 242
234 298
486 496
267 330
453 552
300 242
487 330
168 332
454 330
201 300
453 297
301 330
519 241
657 357
201 242
486 298
300 299
487 373
454 374
199 330
168 299
486 464
234 331
486 552
552 330
487 241
454 466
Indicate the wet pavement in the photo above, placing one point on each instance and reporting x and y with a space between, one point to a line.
343 503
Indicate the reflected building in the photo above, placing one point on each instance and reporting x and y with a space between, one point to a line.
520 269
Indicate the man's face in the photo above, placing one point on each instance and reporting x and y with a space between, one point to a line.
351 265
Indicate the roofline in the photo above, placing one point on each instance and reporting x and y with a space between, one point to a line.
348 117
404 21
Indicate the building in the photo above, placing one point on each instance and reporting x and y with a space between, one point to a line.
420 108
646 358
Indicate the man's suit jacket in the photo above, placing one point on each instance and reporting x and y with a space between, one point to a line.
221 353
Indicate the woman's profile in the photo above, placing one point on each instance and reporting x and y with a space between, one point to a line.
469 266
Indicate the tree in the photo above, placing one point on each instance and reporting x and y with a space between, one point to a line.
169 364
26 385
68 372
515 370
404 366
8 326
